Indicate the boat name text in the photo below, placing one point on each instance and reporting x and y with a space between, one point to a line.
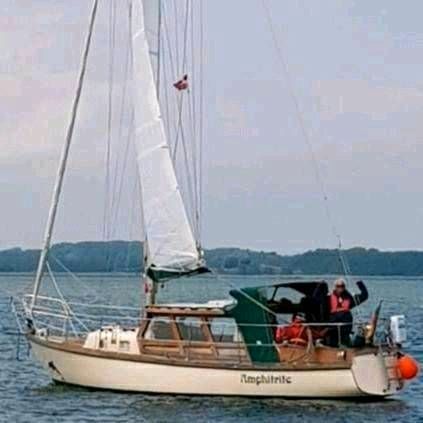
265 379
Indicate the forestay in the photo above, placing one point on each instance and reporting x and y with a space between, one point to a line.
171 244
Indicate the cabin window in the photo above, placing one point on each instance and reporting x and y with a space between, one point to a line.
190 329
224 330
124 345
160 328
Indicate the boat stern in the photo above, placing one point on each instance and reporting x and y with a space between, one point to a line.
377 374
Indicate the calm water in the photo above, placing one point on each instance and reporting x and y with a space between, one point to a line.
27 395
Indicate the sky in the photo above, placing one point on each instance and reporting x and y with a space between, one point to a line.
356 70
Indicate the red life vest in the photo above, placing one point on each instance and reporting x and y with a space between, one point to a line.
338 304
295 331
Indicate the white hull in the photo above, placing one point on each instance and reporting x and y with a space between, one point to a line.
368 376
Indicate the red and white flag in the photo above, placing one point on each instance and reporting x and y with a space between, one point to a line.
182 84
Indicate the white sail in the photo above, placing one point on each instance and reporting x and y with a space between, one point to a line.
171 244
151 10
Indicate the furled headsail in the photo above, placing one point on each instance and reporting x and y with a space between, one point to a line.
172 248
152 17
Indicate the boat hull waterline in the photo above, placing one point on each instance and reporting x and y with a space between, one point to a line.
368 376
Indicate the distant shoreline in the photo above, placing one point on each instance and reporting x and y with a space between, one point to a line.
126 257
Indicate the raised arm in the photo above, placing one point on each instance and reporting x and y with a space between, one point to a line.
362 296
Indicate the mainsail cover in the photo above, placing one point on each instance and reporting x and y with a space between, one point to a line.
171 245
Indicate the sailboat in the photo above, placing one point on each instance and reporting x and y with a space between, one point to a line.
225 347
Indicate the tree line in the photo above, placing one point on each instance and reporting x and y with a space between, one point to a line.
123 256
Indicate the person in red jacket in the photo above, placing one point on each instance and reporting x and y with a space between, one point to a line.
295 332
341 302
298 331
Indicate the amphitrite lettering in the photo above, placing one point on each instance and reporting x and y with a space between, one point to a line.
265 379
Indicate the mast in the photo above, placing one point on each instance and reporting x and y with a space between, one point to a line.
63 161
150 286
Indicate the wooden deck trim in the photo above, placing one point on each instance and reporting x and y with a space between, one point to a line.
183 311
193 344
77 348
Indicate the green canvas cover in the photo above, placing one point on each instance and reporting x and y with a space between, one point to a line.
259 339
